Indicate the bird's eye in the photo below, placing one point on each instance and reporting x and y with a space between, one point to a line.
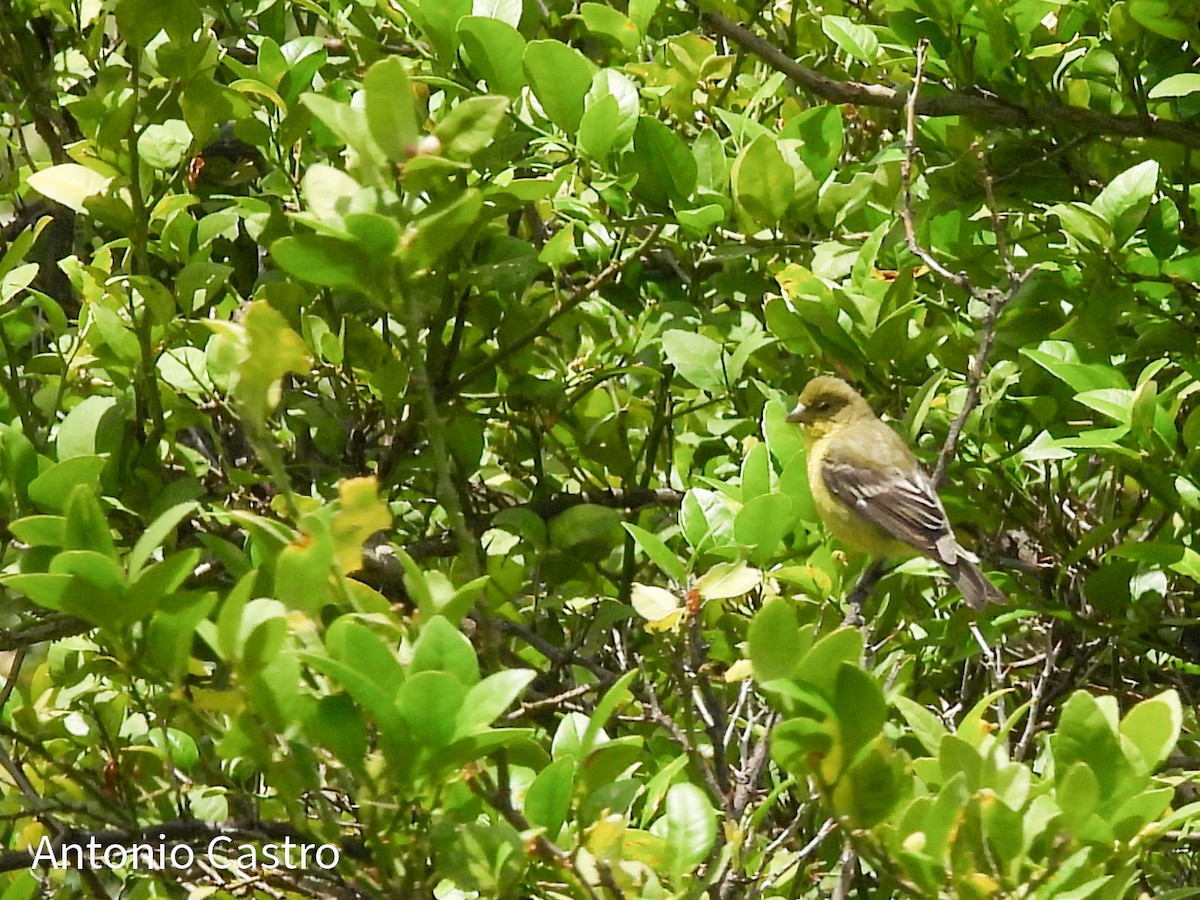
822 404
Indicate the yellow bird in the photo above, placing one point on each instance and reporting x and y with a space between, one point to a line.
871 492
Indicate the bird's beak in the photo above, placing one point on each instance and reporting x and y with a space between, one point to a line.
796 416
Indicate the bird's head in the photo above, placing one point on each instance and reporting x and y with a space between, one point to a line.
825 403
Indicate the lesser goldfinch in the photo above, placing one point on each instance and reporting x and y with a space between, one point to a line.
871 492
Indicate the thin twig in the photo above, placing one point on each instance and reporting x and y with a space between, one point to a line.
847 873
853 617
659 716
995 299
1035 703
14 672
958 279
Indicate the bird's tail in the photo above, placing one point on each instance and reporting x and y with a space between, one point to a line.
975 587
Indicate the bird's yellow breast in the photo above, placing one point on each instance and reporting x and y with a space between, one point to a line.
853 530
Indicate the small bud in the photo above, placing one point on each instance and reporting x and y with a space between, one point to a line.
426 146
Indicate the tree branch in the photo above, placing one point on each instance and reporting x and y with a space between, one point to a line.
1059 116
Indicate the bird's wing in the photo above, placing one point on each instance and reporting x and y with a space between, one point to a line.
899 498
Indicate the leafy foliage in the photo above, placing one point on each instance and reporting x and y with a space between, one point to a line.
393 450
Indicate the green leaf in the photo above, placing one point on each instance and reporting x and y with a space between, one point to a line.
97 591
614 697
1158 16
1061 360
349 641
697 358
86 527
172 631
438 20
560 77
926 727
272 351
378 702
158 580
304 567
701 221
725 580
441 647
1084 224
436 232
1179 85
785 442
774 639
138 21
1125 200
322 260
17 280
691 827
820 131
495 50
946 815
337 724
178 747
548 799
798 746
664 165
857 40
93 426
658 552
70 184
376 235
1153 727
471 126
712 168
53 486
860 709
155 534
21 244
1080 790
348 123
610 114
604 21
1114 403
706 521
1087 733
430 704
762 523
40 531
261 632
763 183
44 589
869 790
329 193
756 472
1133 816
163 146
820 666
486 701
508 11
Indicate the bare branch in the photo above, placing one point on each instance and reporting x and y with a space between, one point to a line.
40 631
958 279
